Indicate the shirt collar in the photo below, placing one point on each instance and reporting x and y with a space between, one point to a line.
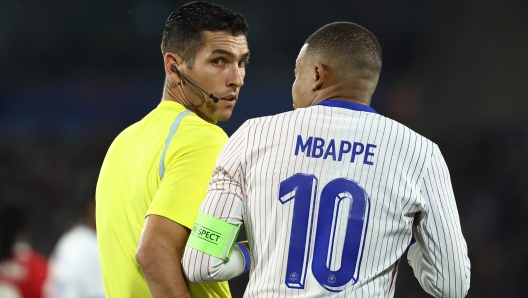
347 105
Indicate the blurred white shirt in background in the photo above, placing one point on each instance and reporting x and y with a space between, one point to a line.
74 270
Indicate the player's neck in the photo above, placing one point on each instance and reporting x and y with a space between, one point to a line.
354 95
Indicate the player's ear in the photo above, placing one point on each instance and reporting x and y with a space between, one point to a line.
319 74
172 60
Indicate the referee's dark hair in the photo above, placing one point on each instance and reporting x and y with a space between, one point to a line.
183 29
348 48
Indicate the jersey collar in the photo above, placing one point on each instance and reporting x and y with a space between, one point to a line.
347 105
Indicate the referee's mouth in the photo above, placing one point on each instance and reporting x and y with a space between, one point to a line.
230 99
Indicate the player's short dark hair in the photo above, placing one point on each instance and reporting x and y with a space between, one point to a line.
352 47
183 29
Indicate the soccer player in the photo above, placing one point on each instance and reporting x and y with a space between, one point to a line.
155 174
74 267
329 192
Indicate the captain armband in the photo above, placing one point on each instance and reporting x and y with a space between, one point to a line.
213 236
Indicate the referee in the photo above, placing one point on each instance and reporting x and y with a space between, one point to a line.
155 174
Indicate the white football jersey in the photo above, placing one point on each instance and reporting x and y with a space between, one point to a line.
328 195
74 269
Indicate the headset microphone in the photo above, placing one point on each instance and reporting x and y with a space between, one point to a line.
211 96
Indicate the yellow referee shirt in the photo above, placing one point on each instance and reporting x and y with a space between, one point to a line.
160 165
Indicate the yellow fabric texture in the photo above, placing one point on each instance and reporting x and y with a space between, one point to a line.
129 188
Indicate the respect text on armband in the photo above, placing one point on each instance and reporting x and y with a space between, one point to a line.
213 236
316 147
206 234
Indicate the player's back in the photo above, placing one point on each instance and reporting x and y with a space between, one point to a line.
330 197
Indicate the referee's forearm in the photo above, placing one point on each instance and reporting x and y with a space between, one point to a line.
159 256
163 273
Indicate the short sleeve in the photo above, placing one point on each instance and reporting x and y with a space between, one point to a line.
189 163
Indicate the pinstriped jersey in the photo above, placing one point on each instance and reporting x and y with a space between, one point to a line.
328 195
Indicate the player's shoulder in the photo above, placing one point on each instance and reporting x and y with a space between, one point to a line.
408 131
269 120
254 126
401 131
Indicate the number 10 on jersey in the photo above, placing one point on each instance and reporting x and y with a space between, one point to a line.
344 204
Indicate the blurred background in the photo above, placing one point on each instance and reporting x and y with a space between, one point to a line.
73 74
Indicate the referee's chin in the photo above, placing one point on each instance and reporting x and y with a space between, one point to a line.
223 114
217 111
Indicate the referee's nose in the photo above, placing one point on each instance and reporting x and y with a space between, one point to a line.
236 76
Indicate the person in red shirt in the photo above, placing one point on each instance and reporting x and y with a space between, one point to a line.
22 269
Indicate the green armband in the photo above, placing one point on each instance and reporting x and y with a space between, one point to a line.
213 236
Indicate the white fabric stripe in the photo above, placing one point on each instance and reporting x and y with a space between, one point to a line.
172 132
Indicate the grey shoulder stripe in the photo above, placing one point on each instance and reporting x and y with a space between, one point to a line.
173 129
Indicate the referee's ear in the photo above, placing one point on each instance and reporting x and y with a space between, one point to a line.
172 60
319 76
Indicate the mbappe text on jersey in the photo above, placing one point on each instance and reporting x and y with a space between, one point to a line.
316 147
